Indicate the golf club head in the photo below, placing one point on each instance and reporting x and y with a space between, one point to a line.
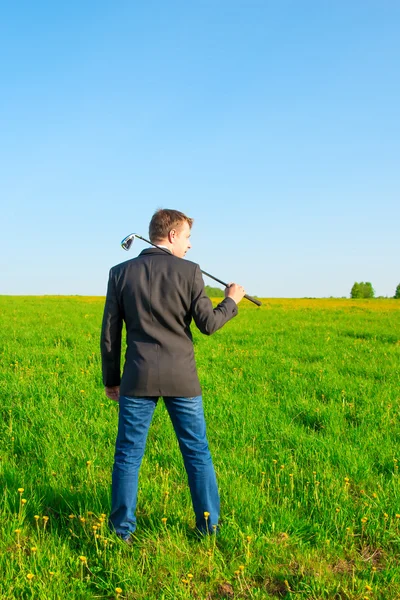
128 241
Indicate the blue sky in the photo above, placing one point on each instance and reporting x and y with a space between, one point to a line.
275 125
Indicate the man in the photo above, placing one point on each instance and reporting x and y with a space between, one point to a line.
157 295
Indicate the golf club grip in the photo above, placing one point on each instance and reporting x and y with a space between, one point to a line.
253 300
226 285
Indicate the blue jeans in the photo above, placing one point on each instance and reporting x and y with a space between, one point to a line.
187 417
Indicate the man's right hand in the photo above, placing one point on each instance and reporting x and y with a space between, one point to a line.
234 291
112 392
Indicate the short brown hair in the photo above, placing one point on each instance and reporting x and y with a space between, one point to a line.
164 220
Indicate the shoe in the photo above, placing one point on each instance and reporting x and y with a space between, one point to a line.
126 539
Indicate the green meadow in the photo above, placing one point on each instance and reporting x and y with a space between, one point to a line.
302 401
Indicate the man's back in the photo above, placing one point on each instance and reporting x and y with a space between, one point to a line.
157 295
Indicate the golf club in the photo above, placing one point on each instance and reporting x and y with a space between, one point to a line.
129 239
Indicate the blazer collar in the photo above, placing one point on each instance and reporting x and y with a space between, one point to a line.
155 251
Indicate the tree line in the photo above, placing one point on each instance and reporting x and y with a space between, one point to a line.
359 290
365 290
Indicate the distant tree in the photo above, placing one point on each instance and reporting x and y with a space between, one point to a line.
356 291
214 292
397 293
362 290
369 291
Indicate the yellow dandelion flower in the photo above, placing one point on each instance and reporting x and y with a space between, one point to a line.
34 549
118 590
36 517
23 501
189 576
368 588
51 573
45 518
241 567
164 520
83 559
206 514
30 576
21 490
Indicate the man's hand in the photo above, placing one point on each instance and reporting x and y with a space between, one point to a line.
112 392
234 291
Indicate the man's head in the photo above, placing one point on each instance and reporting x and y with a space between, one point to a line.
171 228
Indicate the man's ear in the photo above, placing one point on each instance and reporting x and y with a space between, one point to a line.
171 235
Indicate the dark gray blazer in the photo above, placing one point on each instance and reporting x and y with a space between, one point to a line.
157 295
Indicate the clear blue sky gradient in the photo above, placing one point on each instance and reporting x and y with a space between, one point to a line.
275 125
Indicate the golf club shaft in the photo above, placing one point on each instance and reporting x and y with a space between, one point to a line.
254 300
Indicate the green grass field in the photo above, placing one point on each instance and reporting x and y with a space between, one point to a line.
302 405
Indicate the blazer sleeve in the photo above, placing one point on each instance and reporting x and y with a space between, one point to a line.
207 318
111 332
